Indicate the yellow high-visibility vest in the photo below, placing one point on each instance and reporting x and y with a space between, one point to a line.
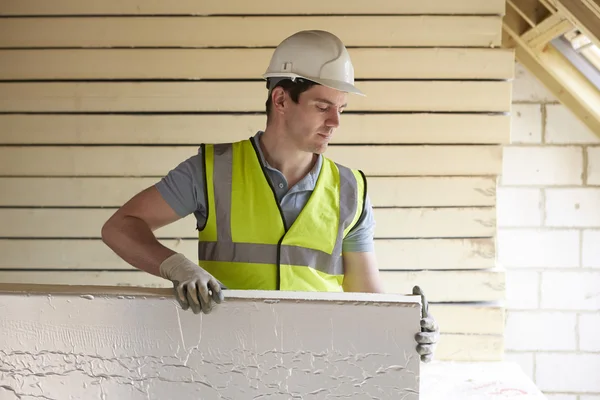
244 243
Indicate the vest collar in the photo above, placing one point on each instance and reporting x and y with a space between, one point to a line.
307 183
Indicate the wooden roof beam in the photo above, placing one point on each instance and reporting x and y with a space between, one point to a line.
534 50
584 14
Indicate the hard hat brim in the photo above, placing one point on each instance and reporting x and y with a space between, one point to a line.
331 83
338 85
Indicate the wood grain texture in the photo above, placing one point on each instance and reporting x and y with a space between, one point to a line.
424 96
114 192
435 254
469 286
251 31
449 286
391 223
241 7
159 160
241 63
410 128
85 254
435 222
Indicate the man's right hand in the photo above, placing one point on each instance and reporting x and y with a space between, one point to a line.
193 286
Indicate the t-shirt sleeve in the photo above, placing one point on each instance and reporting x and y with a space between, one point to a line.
361 236
183 188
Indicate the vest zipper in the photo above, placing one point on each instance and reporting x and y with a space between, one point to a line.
285 228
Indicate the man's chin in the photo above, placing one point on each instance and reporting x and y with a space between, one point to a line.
320 149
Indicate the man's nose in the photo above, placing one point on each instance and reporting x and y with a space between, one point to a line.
333 119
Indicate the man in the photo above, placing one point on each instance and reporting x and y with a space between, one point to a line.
272 212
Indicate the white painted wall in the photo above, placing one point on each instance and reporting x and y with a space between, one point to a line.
549 241
250 347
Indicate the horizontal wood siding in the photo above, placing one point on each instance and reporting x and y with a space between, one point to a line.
243 7
99 100
251 31
393 63
356 128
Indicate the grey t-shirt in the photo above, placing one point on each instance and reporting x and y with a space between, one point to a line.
183 189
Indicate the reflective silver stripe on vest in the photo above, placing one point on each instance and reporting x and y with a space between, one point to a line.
261 253
348 204
222 178
226 251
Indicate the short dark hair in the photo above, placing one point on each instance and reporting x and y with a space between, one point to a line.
293 88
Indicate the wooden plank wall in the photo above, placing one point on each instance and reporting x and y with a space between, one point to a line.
98 100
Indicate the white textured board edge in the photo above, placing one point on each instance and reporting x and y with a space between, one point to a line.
116 292
247 347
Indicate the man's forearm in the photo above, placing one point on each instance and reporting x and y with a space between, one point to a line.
133 240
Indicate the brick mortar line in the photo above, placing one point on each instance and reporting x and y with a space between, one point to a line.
544 116
543 205
581 249
575 393
534 368
555 352
508 268
533 102
584 171
577 341
551 310
548 228
550 187
544 145
539 294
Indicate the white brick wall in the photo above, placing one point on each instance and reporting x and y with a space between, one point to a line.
578 207
528 89
519 207
593 167
532 166
526 123
590 256
522 290
562 126
538 248
549 242
568 372
589 333
579 290
534 330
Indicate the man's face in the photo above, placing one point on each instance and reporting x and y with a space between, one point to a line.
311 122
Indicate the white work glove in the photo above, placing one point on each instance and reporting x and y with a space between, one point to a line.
430 331
193 286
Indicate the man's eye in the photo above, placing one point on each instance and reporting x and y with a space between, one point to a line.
322 109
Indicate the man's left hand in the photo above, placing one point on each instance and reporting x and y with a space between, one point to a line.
430 331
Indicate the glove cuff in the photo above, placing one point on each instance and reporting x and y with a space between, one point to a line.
170 264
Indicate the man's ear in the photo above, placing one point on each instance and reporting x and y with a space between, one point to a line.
279 100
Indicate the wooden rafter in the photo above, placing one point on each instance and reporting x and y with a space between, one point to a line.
585 15
529 28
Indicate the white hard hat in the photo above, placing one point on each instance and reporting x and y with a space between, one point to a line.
316 55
